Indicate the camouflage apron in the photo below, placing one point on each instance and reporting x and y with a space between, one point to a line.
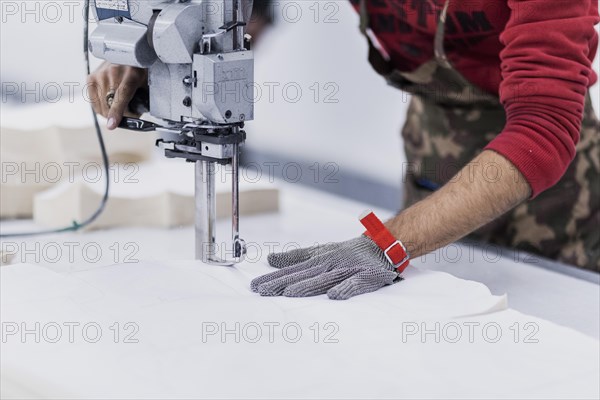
450 121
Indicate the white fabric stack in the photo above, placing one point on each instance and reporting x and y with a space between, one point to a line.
188 330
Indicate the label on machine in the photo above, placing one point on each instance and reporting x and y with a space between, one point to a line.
106 9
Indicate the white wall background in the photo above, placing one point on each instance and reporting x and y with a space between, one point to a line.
41 42
360 132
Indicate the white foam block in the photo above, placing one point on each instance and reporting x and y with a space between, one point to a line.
156 194
45 144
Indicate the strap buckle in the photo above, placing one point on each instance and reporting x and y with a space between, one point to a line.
390 247
377 232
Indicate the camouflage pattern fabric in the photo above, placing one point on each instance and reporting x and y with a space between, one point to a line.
562 223
450 121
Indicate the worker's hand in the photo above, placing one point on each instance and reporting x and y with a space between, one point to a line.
342 270
111 87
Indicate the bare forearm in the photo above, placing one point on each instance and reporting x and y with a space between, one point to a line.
485 189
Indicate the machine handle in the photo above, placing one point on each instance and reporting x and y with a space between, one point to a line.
136 124
140 103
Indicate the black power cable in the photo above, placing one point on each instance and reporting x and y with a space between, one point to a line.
79 225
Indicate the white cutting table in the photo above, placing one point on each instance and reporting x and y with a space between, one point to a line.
188 330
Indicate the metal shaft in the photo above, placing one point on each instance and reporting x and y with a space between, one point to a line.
235 197
205 211
238 16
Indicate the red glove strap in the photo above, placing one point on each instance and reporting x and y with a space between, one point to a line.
393 249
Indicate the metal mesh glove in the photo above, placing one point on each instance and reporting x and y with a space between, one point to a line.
342 270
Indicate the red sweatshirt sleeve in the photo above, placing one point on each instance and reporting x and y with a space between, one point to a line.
546 67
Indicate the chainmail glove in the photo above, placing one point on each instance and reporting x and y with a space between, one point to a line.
342 270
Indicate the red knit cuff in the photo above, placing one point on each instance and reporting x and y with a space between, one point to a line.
540 167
